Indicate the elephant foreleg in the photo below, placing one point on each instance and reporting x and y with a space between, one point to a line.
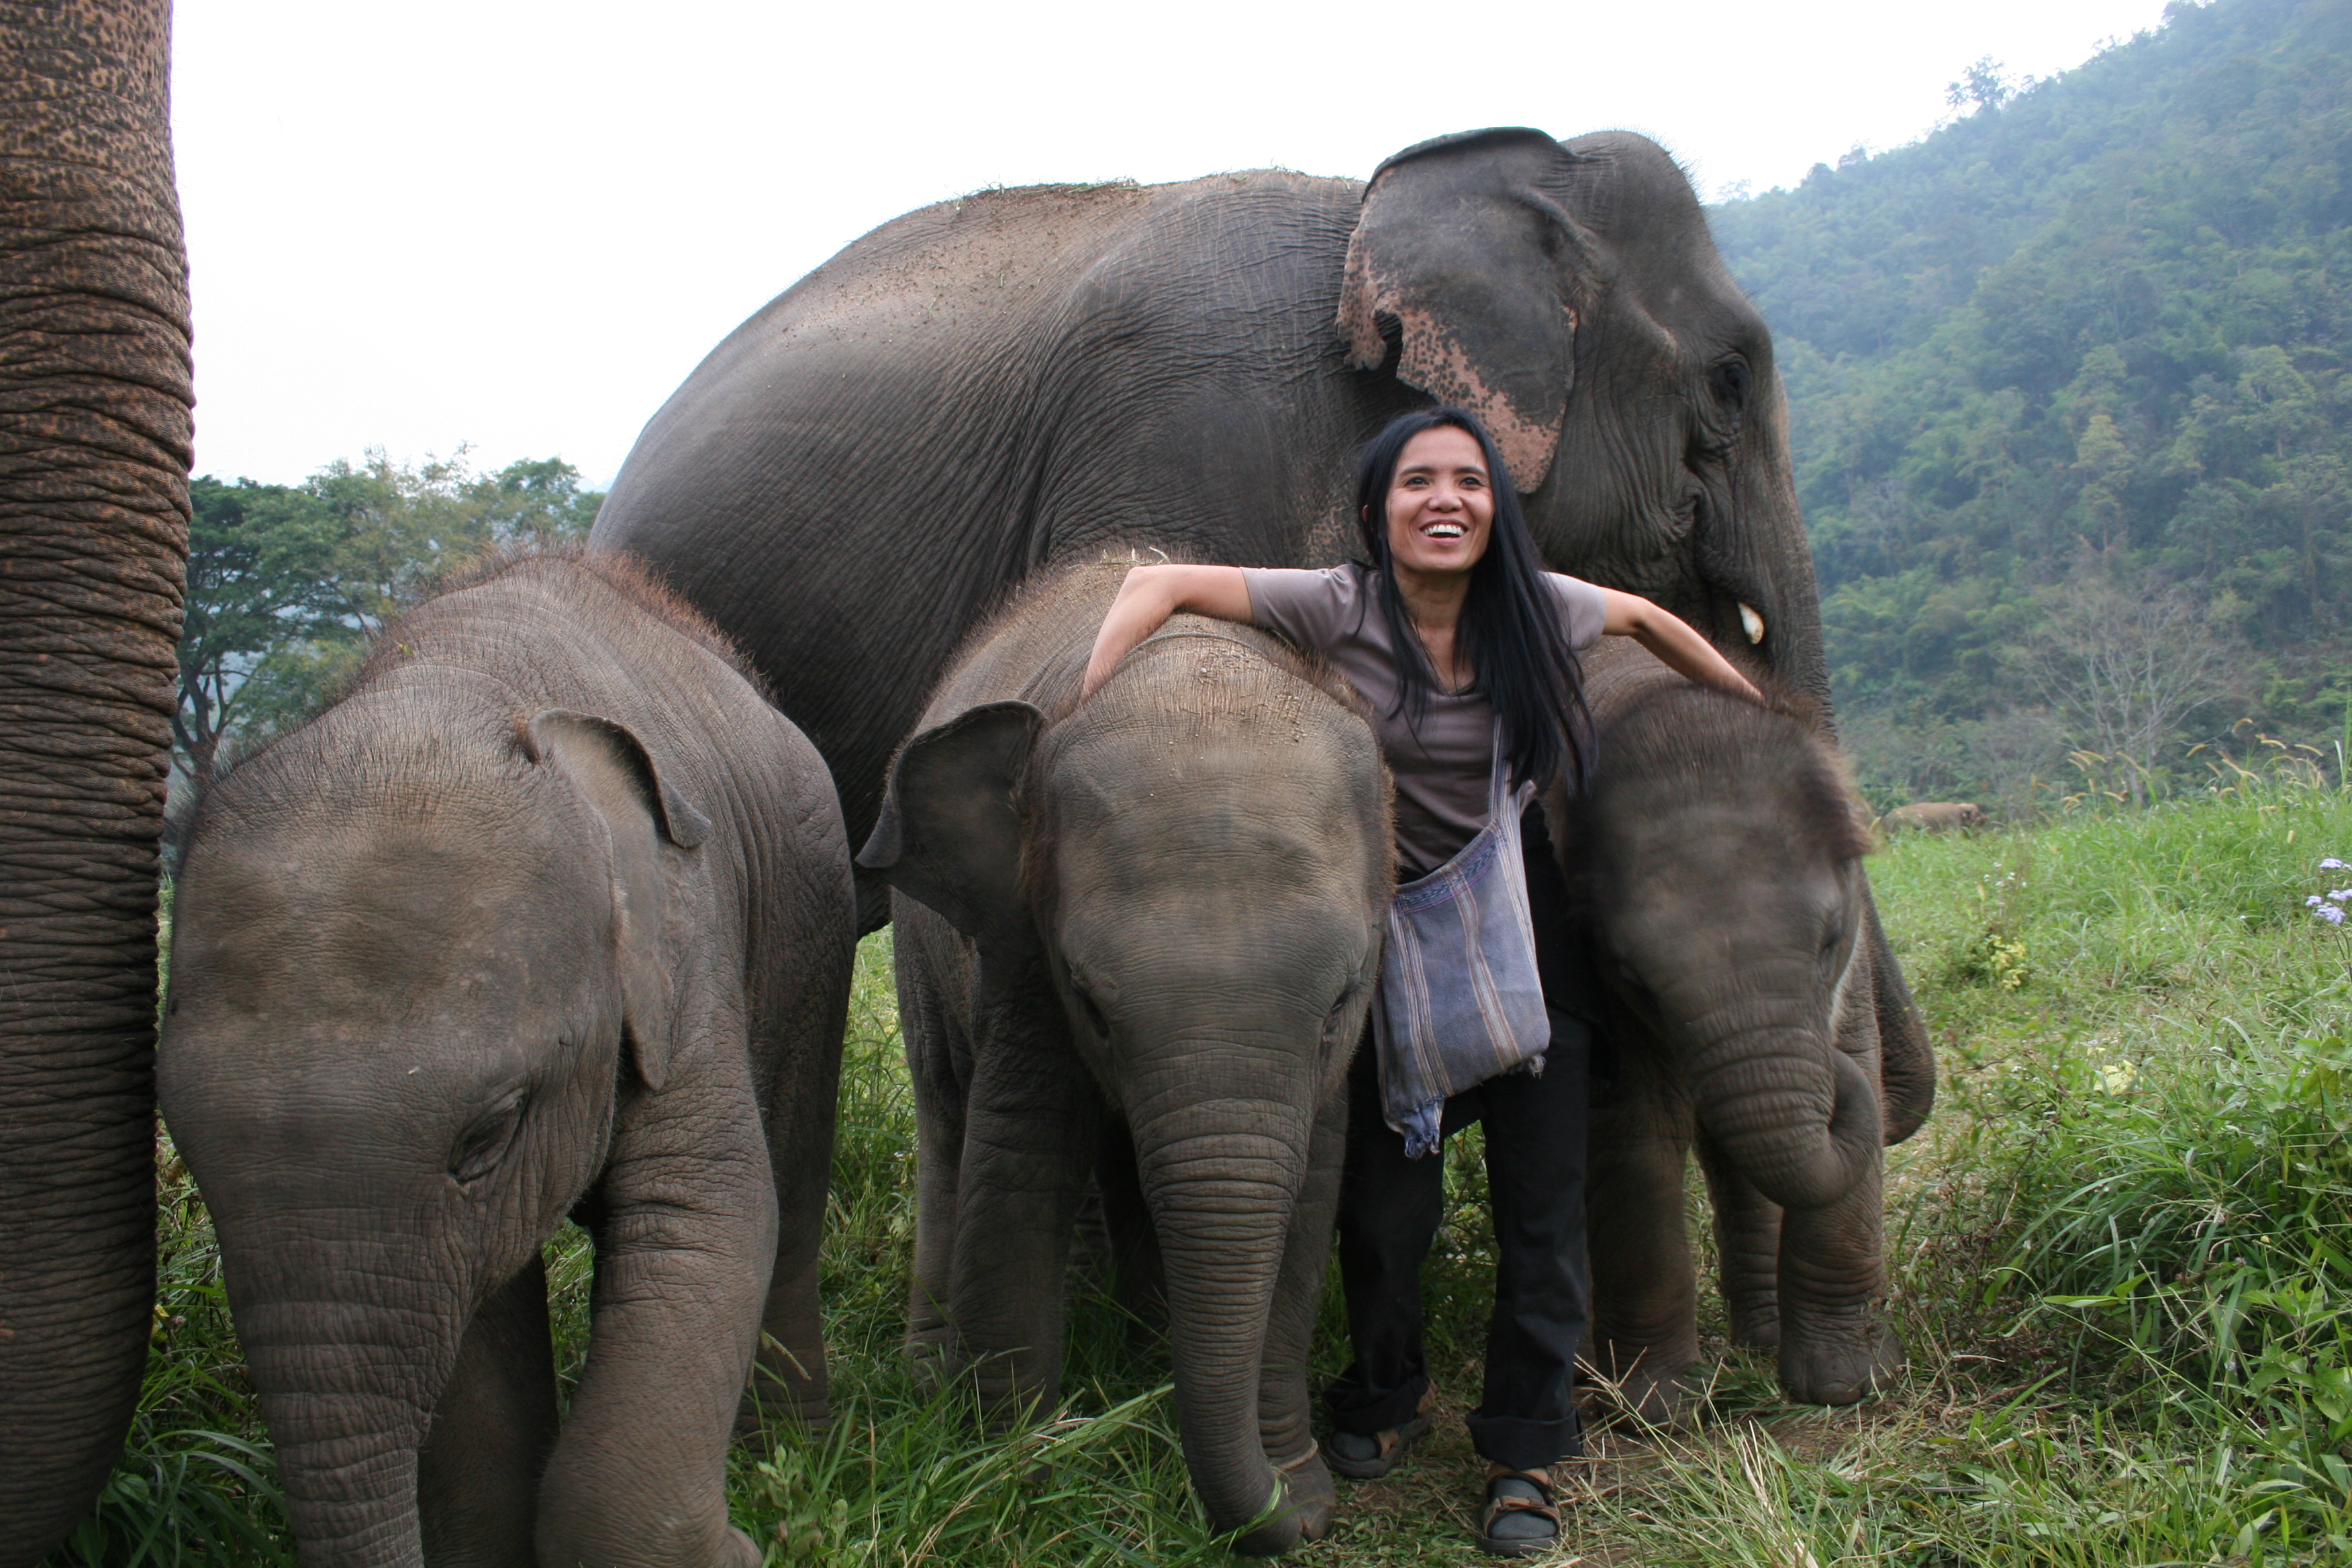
1748 1249
936 1038
1282 1402
1644 1285
1137 1273
478 1474
685 1249
1834 1347
1028 1148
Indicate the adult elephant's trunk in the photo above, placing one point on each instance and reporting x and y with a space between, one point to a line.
1793 1114
348 1355
1220 1201
94 448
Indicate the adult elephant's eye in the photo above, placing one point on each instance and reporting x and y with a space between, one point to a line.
1094 1020
1732 382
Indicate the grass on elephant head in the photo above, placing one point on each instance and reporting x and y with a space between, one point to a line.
2120 1253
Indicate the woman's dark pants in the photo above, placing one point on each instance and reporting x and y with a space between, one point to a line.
1389 1209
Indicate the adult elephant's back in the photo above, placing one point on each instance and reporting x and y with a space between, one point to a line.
857 475
853 477
94 446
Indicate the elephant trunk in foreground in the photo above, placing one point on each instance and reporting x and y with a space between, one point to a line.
94 448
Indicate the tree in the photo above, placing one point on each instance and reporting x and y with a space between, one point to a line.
287 583
258 563
2123 669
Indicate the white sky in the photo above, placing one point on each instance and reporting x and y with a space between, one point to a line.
519 224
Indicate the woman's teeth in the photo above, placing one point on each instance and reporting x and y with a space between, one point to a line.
1444 530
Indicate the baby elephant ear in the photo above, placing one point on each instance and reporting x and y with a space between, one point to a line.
950 833
639 809
1463 243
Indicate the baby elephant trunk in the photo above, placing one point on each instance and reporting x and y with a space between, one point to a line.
1804 1130
349 1354
1221 1202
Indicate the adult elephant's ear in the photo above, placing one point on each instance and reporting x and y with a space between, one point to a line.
951 832
640 810
1463 243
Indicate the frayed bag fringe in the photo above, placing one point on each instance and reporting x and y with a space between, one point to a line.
1461 1000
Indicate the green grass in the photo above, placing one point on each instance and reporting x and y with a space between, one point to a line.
2121 1254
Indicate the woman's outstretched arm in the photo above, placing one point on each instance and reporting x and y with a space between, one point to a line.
1671 642
1152 593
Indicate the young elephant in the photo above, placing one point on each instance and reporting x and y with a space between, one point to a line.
551 915
1723 856
1163 907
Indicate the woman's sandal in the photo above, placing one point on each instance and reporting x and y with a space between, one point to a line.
1520 1515
1368 1458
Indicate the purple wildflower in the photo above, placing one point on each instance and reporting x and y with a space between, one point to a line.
2332 913
2333 864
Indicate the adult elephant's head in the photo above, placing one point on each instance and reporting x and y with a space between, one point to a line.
1571 295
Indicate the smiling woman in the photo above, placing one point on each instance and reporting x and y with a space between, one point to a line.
1465 651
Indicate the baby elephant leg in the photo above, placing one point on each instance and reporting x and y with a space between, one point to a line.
478 1474
685 1246
1644 1285
1834 1347
1747 1244
1283 1405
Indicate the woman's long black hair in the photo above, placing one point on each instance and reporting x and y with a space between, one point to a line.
1510 633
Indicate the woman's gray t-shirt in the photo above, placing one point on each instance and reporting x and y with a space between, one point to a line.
1441 764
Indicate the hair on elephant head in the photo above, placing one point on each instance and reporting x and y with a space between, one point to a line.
509 934
1146 927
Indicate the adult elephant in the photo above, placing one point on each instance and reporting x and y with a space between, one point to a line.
94 447
858 474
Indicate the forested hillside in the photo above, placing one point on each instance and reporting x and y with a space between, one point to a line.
2069 403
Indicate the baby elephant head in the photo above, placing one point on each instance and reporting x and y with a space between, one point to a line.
415 944
1725 854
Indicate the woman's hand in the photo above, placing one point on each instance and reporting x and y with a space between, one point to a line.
1152 593
1671 642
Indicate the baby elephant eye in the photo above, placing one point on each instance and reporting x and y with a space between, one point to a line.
488 1136
1094 1020
1832 934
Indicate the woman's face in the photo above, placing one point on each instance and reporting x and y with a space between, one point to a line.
1441 503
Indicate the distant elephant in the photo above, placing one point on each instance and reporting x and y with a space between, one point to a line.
1162 910
1934 817
94 448
1721 854
551 915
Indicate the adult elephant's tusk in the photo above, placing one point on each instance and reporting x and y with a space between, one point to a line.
1751 623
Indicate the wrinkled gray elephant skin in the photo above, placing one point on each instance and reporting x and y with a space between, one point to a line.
549 916
1721 856
94 446
1156 916
858 474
